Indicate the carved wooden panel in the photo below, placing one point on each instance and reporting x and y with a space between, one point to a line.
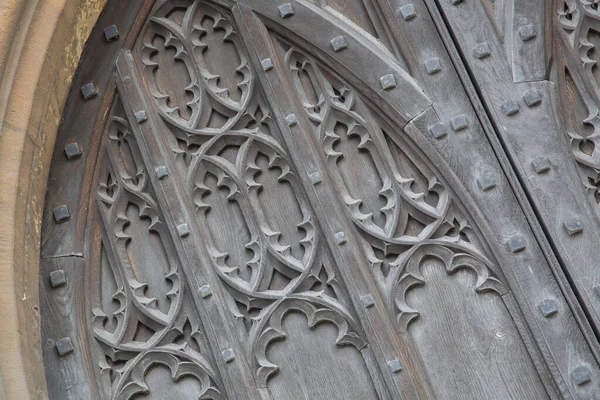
309 200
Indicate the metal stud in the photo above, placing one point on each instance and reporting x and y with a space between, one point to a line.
527 32
315 178
205 291
540 164
291 119
408 12
482 50
340 238
339 43
548 308
61 213
228 355
486 181
111 33
183 230
64 346
367 300
510 108
573 225
72 150
433 65
581 375
459 122
516 243
286 10
388 81
438 130
58 278
267 64
532 97
395 365
161 172
89 91
140 116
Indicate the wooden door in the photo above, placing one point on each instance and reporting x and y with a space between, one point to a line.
336 199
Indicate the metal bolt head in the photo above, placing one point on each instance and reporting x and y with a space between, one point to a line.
395 365
61 213
510 108
161 172
459 122
433 65
516 243
228 355
438 130
455 2
532 97
486 181
89 91
183 230
267 64
111 33
548 308
286 10
291 119
64 346
482 50
581 375
340 238
408 12
540 164
58 278
573 225
339 43
205 291
72 150
315 178
140 116
527 32
388 81
368 300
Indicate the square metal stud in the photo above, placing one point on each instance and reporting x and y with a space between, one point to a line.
340 238
581 375
482 50
228 355
368 300
408 12
339 43
573 225
510 108
61 213
438 130
291 119
388 81
532 97
161 172
267 64
205 291
516 243
395 365
72 150
286 10
58 278
459 122
527 32
140 116
64 346
89 91
315 178
548 308
540 164
433 65
111 33
183 230
486 181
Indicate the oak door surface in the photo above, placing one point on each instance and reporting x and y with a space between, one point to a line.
345 199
